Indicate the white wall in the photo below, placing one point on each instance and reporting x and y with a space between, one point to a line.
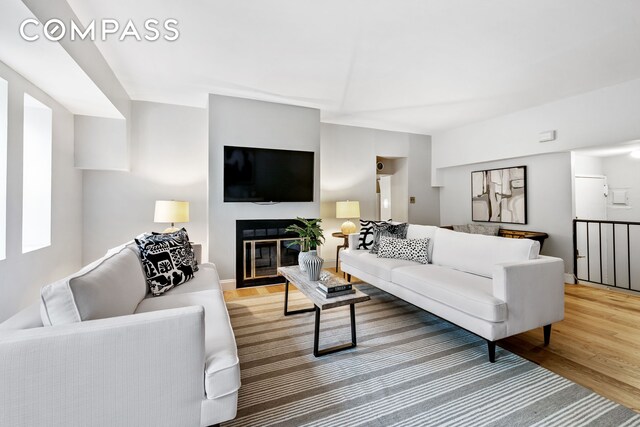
22 275
549 199
349 173
168 161
426 209
623 172
587 165
101 143
249 123
605 116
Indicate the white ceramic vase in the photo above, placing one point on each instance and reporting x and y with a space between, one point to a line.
301 259
314 266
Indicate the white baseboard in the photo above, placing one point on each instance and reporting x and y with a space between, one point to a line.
569 278
228 285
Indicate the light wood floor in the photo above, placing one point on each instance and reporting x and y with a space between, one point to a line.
597 345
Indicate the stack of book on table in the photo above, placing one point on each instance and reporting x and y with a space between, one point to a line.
332 290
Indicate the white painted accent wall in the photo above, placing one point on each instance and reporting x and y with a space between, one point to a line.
249 123
549 199
168 161
22 275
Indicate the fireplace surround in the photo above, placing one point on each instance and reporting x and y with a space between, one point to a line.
261 247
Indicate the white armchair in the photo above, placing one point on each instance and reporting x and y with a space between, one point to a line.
170 361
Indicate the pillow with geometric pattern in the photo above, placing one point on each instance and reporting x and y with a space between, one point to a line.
409 249
168 260
365 241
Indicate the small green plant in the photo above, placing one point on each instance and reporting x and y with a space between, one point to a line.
309 234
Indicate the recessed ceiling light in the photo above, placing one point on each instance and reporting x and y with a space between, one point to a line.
635 154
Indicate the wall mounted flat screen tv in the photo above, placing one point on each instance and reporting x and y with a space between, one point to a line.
261 175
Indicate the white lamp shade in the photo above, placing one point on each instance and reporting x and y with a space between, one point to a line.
170 211
348 209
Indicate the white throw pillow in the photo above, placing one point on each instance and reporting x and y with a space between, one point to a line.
112 286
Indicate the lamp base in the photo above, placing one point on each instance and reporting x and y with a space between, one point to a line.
171 230
348 227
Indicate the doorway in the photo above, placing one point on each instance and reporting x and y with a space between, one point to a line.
392 189
592 240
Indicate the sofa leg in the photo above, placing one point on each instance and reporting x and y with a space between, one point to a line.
547 334
492 351
348 278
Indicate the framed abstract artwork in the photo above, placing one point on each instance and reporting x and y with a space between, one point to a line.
499 195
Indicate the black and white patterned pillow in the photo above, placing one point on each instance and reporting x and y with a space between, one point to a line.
365 241
168 260
409 249
398 231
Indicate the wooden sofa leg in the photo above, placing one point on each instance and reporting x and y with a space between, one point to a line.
348 278
547 334
492 351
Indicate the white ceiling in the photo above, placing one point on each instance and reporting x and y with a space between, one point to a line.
611 150
412 65
49 66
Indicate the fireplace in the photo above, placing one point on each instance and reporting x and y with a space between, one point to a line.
262 247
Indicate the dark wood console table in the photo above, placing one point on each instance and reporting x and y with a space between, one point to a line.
517 234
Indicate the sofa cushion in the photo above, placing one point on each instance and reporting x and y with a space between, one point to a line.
466 292
489 230
409 249
370 263
477 254
222 367
27 318
206 279
168 260
416 231
112 286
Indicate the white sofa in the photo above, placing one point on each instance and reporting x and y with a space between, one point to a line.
117 356
492 286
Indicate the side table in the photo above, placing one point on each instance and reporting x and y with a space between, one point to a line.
344 245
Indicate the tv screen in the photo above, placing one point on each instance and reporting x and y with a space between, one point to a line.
263 175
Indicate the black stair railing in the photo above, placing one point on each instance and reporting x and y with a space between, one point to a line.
607 253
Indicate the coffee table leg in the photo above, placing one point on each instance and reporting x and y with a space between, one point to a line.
316 334
286 303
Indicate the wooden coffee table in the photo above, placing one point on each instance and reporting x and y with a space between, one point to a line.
308 288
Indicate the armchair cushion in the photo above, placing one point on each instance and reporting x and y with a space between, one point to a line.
112 286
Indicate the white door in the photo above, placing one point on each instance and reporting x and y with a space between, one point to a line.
385 197
591 203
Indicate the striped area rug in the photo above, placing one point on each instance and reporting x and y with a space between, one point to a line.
410 369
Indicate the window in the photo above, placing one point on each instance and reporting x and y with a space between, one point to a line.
36 175
4 104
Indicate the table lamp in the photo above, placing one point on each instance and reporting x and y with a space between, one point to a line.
171 211
349 209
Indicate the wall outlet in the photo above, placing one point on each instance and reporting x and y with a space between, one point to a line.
412 200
